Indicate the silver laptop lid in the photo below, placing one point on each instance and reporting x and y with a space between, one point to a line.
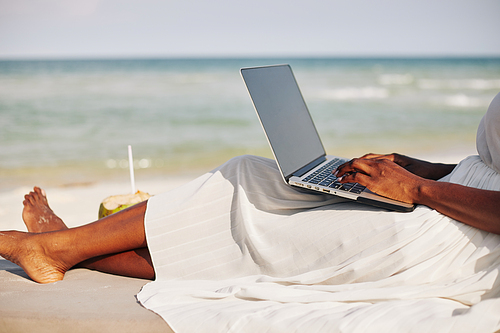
284 116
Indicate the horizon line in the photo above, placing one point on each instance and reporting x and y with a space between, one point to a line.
245 57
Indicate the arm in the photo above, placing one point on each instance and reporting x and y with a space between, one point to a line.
475 207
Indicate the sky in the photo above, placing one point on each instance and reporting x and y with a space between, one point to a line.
235 28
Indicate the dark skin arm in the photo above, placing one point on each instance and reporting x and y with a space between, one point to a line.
410 180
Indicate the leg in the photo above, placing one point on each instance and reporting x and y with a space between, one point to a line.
46 257
39 217
134 263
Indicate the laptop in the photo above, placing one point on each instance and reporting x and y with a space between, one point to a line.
294 140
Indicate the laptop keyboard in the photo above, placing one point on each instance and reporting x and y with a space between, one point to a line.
324 177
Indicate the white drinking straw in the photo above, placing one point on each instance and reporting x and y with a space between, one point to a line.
131 167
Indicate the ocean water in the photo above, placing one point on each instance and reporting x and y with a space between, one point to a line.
73 119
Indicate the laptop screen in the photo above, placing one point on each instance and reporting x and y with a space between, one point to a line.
284 116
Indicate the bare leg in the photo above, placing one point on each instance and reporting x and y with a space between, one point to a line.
134 263
39 217
46 257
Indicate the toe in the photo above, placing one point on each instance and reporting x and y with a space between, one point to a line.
40 195
28 199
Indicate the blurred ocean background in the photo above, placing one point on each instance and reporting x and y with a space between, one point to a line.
69 122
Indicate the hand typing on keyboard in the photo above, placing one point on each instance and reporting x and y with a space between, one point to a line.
324 177
382 175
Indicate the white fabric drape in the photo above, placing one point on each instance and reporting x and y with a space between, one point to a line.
235 253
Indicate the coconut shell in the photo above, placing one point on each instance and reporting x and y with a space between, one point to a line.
115 203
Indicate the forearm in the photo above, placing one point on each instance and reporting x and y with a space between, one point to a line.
475 207
422 168
439 170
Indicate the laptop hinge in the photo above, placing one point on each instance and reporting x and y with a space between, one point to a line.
312 165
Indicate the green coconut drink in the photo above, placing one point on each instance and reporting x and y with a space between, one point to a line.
115 203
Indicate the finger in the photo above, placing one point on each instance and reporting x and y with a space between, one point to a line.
361 165
342 169
364 165
355 177
389 157
349 167
370 156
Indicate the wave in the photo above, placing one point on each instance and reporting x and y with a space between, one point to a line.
351 93
456 84
464 101
395 79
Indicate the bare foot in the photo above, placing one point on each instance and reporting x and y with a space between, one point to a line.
27 251
37 215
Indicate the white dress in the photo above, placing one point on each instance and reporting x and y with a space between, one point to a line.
237 250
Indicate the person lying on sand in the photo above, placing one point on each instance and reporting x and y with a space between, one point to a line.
118 244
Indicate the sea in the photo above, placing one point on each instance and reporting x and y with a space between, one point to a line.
69 122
